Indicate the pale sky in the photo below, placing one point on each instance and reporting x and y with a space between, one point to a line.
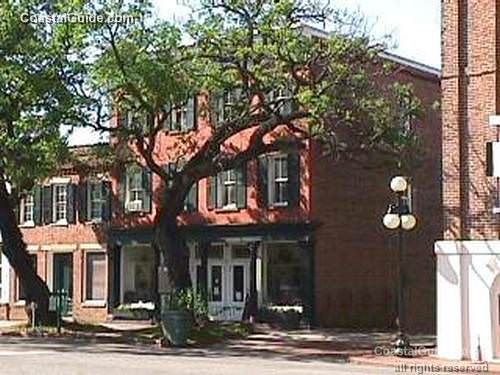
414 26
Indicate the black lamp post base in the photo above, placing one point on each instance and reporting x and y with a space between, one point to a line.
402 346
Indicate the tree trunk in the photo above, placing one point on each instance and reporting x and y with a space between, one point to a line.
169 241
14 249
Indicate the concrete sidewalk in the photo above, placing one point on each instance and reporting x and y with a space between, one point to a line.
325 344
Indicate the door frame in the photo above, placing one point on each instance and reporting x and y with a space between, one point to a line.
495 316
71 290
223 309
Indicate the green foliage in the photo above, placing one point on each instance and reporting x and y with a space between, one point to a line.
188 300
335 82
39 68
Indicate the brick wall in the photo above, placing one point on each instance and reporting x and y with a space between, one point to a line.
356 257
470 95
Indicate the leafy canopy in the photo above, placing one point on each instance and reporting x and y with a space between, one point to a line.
39 70
335 86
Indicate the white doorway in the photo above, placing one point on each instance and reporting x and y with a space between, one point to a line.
228 279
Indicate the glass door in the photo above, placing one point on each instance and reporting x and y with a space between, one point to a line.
63 279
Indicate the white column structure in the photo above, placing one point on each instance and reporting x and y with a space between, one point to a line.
4 277
468 299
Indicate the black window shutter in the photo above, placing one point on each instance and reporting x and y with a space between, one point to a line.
190 114
82 202
107 197
217 106
37 206
263 190
191 203
167 121
70 203
293 179
122 190
220 191
213 110
47 204
241 186
147 185
211 192
17 211
489 158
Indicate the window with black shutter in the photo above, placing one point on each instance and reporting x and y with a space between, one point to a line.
27 209
95 201
183 116
223 105
279 180
227 190
137 192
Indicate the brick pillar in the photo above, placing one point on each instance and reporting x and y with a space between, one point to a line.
470 95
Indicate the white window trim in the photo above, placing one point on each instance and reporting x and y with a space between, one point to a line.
94 302
22 210
182 124
272 180
89 202
222 183
61 222
128 191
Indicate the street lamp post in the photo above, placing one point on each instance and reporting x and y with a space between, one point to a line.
399 217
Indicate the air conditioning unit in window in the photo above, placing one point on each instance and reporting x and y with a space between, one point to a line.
134 206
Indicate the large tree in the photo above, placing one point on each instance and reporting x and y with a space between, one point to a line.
39 71
287 86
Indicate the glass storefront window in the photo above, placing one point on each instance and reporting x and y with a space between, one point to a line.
283 274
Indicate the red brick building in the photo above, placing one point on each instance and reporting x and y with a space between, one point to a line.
305 231
468 274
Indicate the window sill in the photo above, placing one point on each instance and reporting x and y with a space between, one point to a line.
62 223
277 206
94 303
227 209
20 303
28 224
94 221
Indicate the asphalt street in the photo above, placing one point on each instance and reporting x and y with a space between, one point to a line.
19 356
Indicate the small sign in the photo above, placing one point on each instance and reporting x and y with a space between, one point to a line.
53 303
495 120
163 280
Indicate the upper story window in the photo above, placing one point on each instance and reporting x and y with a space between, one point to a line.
223 105
60 203
227 187
279 180
183 116
135 189
281 99
131 119
95 200
27 208
227 190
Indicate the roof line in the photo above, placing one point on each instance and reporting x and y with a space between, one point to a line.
314 31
